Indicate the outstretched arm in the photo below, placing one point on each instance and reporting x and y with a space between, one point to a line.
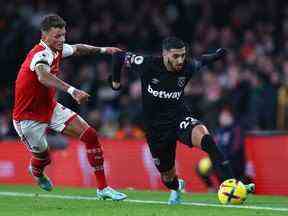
84 49
135 62
210 58
118 60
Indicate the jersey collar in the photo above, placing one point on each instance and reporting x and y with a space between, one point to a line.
42 43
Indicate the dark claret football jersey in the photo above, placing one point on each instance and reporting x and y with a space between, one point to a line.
162 90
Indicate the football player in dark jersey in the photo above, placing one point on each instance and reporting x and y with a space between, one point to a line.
166 116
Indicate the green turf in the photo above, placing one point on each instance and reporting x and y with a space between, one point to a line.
38 205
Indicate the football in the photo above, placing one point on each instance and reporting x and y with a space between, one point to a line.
232 191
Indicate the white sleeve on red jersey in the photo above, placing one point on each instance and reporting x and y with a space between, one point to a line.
43 56
67 50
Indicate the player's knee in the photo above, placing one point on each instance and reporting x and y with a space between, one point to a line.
43 146
197 134
93 148
36 143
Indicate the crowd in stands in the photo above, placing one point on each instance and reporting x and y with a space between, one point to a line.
248 81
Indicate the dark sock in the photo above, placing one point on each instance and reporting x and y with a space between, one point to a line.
173 185
222 165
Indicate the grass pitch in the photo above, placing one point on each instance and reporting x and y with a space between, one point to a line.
32 201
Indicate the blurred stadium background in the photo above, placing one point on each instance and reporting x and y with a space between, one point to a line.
252 82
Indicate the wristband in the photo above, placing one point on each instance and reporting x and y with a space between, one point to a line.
103 50
70 90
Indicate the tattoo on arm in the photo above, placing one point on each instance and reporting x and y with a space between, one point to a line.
48 79
83 49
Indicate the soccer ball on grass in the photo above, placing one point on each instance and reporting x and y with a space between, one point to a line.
232 191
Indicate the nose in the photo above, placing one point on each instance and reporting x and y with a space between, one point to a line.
180 61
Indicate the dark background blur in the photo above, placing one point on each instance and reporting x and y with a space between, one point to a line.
251 81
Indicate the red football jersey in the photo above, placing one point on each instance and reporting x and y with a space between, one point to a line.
33 100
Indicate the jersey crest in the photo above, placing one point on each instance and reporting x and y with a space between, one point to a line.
181 81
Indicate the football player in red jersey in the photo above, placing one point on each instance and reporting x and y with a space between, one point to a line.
35 108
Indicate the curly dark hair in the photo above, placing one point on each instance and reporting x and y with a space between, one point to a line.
172 43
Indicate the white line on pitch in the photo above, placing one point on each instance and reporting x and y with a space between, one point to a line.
68 197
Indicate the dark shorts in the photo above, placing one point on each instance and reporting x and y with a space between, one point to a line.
162 141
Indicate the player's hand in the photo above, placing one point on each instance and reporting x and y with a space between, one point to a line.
112 50
80 96
221 52
114 85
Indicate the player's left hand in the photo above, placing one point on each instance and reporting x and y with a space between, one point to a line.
80 96
221 52
112 50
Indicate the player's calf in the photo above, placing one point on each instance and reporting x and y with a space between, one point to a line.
218 159
96 160
37 165
95 156
38 162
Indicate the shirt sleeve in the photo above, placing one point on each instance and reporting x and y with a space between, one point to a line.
197 65
194 67
125 60
67 50
133 60
44 57
136 62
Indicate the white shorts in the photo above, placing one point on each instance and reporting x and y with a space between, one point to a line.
33 133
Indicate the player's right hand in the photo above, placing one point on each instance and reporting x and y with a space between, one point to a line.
221 52
80 96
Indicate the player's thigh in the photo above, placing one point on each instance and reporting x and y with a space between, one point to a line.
32 134
76 127
163 151
67 122
186 125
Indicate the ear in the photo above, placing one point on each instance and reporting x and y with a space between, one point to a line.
165 52
44 34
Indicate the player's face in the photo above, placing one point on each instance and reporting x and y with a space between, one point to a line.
55 38
176 58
